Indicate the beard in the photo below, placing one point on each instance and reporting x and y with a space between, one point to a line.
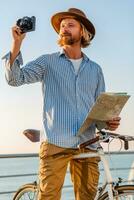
67 39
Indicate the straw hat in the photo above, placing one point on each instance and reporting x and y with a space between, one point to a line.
76 14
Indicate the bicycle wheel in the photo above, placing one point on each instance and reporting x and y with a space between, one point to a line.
27 192
125 192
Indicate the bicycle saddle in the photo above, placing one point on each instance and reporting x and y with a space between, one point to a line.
32 134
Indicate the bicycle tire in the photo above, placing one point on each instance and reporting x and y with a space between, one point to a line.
27 192
124 192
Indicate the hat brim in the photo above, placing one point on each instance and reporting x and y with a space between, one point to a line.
58 17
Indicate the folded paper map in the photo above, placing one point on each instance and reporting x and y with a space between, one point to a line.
107 106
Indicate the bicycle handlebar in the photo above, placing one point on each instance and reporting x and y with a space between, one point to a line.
104 136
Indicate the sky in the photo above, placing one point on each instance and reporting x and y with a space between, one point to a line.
112 48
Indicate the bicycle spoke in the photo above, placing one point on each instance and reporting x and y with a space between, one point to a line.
28 196
125 197
124 192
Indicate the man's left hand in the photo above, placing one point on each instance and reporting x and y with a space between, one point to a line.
113 124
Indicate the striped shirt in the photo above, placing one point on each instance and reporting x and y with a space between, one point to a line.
67 96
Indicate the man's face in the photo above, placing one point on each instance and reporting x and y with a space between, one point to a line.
70 31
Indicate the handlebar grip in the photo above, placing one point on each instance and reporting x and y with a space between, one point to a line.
89 142
126 147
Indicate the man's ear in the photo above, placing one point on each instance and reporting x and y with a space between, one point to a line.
81 32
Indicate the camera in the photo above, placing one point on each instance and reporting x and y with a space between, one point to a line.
26 24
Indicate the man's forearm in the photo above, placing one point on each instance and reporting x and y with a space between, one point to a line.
14 51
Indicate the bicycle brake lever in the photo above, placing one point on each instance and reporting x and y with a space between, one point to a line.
104 136
126 146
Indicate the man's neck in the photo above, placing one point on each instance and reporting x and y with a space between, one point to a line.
73 52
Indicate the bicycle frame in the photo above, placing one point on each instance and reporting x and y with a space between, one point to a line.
109 181
33 135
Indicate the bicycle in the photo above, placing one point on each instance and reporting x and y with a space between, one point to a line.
114 190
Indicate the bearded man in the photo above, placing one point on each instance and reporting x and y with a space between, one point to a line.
71 82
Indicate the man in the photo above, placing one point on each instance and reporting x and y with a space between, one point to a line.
71 83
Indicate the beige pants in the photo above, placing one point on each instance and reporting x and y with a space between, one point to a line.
53 165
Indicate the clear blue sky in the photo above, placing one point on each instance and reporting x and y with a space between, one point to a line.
112 48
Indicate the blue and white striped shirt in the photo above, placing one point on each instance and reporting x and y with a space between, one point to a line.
67 96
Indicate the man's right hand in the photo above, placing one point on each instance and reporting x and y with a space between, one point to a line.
17 40
18 36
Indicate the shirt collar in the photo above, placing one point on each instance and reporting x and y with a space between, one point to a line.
85 57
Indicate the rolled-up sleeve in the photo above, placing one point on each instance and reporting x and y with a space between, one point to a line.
30 73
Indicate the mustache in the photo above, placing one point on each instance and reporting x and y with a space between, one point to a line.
65 34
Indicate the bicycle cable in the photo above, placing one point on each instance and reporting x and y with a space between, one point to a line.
115 171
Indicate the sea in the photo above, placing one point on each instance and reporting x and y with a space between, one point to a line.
10 168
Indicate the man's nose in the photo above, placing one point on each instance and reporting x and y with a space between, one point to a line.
64 29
